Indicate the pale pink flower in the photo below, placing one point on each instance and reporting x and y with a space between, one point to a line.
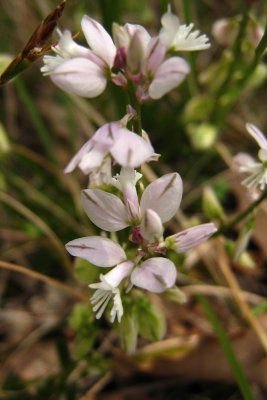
112 141
155 274
159 203
76 69
110 213
225 31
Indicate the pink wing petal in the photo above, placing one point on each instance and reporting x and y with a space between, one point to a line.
78 157
163 196
79 76
105 210
99 40
169 75
155 274
130 150
99 251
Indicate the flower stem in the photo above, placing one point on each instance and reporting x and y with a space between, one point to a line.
242 215
137 121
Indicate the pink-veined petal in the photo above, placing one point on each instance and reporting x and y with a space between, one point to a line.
78 157
192 237
93 159
80 76
99 251
163 196
106 134
99 144
257 135
155 54
99 40
105 210
169 75
130 150
155 274
151 226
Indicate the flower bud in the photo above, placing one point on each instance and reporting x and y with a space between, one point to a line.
4 142
211 205
128 329
174 294
135 54
151 226
202 135
151 320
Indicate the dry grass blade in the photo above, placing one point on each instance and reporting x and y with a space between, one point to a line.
19 207
36 45
46 279
238 296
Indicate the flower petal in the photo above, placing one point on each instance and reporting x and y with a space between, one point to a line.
96 147
105 210
170 25
181 37
192 237
169 75
80 76
99 251
106 134
257 135
99 40
78 157
243 160
155 274
163 196
92 160
114 277
151 226
130 150
155 54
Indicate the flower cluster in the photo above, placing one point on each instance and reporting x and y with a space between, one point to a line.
146 67
131 58
148 266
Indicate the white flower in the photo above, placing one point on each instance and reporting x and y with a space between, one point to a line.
179 37
257 171
108 288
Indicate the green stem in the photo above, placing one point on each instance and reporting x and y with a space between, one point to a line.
253 65
234 92
218 111
36 118
137 121
228 349
242 215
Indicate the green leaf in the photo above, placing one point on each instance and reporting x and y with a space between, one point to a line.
151 321
227 348
128 330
